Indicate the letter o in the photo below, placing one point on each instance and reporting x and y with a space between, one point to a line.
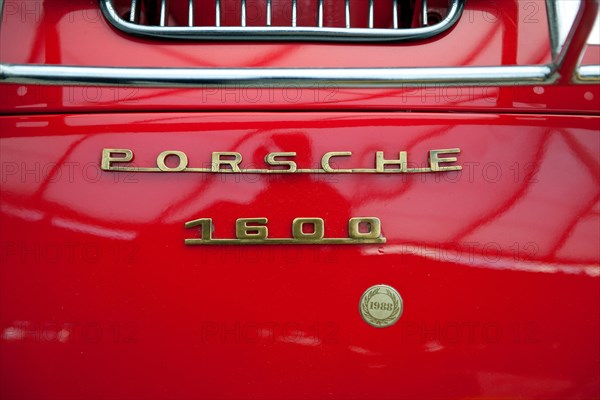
183 161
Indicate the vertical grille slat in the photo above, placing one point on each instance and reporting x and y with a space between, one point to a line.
134 13
217 13
320 14
243 14
347 6
326 20
163 12
294 12
191 13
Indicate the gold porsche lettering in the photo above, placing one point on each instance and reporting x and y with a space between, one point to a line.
440 160
271 159
381 162
435 160
233 160
114 156
181 164
304 231
327 156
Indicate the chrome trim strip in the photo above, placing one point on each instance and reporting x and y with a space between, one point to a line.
371 10
191 13
566 63
290 33
217 13
553 27
588 73
424 13
268 12
301 77
395 16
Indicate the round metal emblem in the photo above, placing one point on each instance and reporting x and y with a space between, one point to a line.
380 306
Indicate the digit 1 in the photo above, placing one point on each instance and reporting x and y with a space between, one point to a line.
206 227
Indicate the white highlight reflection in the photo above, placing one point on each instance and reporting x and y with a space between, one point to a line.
480 261
93 229
23 213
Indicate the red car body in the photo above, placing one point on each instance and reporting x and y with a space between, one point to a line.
498 265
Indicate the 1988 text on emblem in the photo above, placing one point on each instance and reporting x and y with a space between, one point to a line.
255 231
381 306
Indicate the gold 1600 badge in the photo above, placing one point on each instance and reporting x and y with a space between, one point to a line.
363 230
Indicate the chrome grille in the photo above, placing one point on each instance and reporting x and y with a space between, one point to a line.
323 20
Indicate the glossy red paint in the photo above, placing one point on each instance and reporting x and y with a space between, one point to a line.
498 266
26 99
